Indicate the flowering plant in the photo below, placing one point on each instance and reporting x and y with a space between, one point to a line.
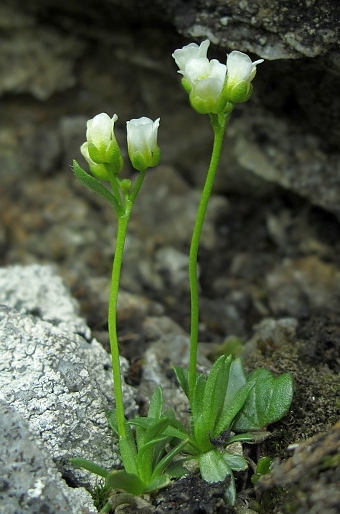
227 405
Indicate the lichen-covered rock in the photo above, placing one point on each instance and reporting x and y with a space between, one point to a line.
60 382
30 482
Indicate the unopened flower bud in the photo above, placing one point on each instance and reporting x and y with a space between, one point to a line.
102 145
240 72
142 143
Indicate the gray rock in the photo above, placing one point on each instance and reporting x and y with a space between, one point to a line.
39 291
35 59
172 265
30 482
273 30
59 381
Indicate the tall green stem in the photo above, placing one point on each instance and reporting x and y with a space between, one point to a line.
123 221
219 125
112 320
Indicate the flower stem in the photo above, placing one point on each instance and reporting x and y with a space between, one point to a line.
123 221
219 123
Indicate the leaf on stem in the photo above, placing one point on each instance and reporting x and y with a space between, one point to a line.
95 185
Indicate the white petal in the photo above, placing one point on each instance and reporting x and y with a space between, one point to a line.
239 66
191 51
208 89
197 69
218 69
100 130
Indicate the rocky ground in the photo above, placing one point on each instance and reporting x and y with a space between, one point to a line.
269 258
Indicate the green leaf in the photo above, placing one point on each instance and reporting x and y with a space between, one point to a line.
237 379
182 376
215 392
233 408
235 462
176 469
120 479
128 451
197 406
156 404
214 468
95 185
89 466
157 483
165 461
111 417
177 432
156 428
268 401
262 468
241 438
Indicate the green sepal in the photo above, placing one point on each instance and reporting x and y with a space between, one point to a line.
96 155
89 466
268 401
138 161
186 85
238 93
95 185
113 156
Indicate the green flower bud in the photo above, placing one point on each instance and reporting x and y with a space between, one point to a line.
142 143
102 146
240 72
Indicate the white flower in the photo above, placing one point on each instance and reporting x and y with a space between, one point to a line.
142 143
100 130
102 145
191 51
202 79
240 72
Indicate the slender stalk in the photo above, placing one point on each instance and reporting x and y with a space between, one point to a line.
219 125
123 221
112 321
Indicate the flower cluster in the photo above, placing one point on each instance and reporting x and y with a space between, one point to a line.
211 85
102 151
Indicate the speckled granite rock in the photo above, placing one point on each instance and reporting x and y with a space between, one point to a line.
30 482
59 381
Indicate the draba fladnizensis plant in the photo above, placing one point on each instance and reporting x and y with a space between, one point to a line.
227 406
